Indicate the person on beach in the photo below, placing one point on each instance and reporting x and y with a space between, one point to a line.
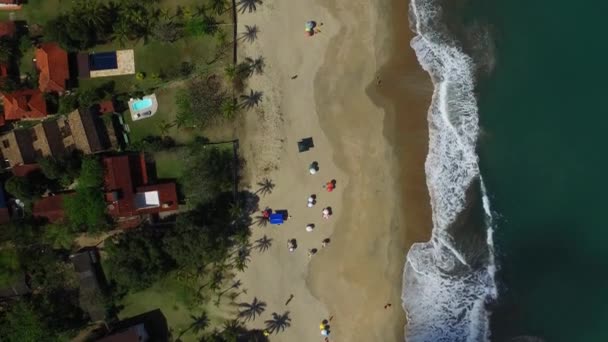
312 252
324 242
388 305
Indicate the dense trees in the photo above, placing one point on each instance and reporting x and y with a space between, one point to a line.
85 209
136 259
209 171
23 323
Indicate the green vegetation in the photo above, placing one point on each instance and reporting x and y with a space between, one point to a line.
9 266
208 172
86 209
23 323
170 164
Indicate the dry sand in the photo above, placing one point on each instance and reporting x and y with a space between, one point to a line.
371 138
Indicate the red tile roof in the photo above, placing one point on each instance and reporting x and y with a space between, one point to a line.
7 28
24 169
125 177
119 186
50 207
167 196
24 104
52 64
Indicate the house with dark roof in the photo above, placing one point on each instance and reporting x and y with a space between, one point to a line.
79 130
7 29
26 104
129 194
150 326
50 208
92 282
53 70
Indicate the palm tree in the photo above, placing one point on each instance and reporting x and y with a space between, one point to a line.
278 322
250 310
229 108
219 6
121 32
262 244
266 187
251 33
251 100
248 5
256 65
242 257
199 323
164 127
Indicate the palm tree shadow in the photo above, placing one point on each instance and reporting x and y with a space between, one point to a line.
251 33
249 6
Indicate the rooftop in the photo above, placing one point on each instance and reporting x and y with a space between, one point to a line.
24 104
52 65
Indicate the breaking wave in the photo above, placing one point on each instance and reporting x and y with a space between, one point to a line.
448 282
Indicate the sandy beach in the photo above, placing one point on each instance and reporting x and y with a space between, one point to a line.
361 96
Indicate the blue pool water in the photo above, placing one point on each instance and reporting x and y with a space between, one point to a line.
142 104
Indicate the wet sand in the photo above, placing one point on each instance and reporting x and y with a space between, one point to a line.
370 136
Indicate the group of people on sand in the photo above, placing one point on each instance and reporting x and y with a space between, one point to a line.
326 213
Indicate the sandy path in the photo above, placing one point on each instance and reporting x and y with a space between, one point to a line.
331 100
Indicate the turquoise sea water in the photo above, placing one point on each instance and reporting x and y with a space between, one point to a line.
543 157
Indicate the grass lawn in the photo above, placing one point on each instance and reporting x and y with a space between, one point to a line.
175 301
169 164
26 64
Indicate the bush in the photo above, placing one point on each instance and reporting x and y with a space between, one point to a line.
20 187
140 76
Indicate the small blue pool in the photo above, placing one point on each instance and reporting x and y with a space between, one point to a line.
142 104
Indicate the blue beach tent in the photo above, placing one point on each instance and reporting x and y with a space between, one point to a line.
276 218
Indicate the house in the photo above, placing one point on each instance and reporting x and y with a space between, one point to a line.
103 64
7 28
52 64
130 195
10 5
27 104
50 208
80 130
150 326
92 282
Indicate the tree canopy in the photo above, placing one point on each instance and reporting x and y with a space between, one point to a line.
136 259
23 323
209 171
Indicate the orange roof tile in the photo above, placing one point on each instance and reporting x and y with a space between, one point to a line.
24 104
52 64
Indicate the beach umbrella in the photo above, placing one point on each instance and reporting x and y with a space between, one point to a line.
309 228
329 186
325 211
312 170
310 204
325 332
310 25
321 326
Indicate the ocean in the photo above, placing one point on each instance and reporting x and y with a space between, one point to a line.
515 172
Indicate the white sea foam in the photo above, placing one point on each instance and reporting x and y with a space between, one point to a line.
443 305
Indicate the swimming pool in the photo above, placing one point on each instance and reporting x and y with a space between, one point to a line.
142 104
